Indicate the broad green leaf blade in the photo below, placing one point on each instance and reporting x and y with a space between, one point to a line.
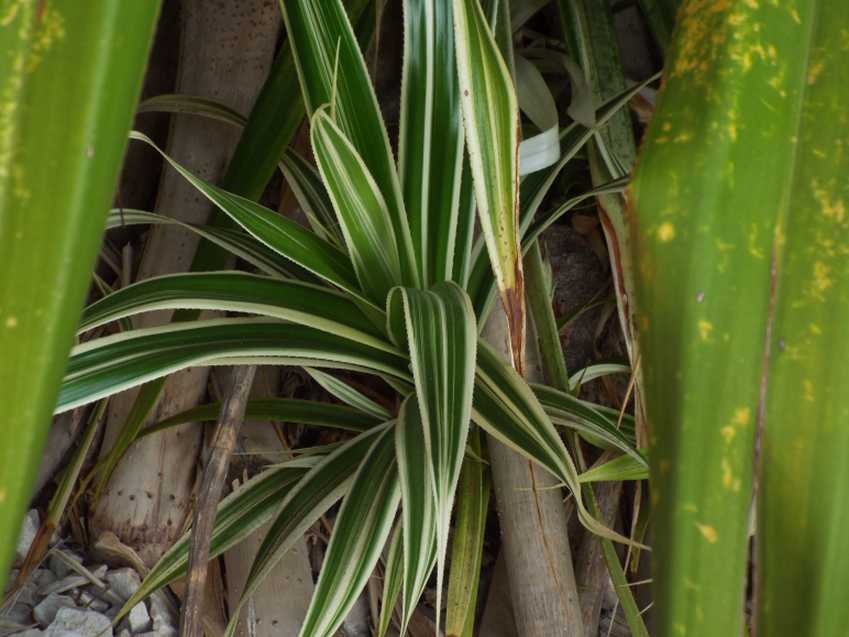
491 117
347 394
289 410
314 494
716 179
332 71
439 328
360 208
110 364
275 231
359 534
292 301
70 75
467 544
312 196
419 506
430 148
238 515
803 511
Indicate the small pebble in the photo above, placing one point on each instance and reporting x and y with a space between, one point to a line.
139 619
71 622
47 609
65 584
28 530
124 582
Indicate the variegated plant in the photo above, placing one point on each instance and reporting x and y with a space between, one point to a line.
391 281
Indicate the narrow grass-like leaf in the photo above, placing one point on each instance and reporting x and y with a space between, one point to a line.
347 394
467 544
393 575
70 75
332 71
491 116
623 467
419 506
275 231
430 147
107 365
292 301
439 328
360 207
359 534
315 493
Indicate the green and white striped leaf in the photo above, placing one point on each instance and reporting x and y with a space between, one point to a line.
236 242
419 506
289 410
332 71
588 419
347 394
292 301
315 493
110 364
306 185
359 534
238 515
430 148
440 331
275 231
491 116
622 467
507 409
393 575
360 207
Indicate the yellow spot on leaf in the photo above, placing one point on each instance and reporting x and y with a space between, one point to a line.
705 329
831 208
11 322
808 390
727 474
666 232
728 432
795 15
2 494
822 280
742 416
708 532
815 329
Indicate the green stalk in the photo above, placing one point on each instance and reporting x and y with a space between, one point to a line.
70 75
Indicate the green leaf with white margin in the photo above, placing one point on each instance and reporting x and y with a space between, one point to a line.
419 506
311 195
288 410
506 408
238 515
293 301
275 231
314 494
347 394
491 116
360 207
440 330
233 241
359 535
430 147
110 364
332 71
393 575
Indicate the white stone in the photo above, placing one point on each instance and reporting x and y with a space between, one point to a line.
45 612
60 566
124 582
161 610
139 619
71 622
65 584
28 530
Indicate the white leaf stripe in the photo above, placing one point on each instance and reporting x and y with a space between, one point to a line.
347 394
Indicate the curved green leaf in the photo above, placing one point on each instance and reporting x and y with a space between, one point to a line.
107 365
293 301
347 394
